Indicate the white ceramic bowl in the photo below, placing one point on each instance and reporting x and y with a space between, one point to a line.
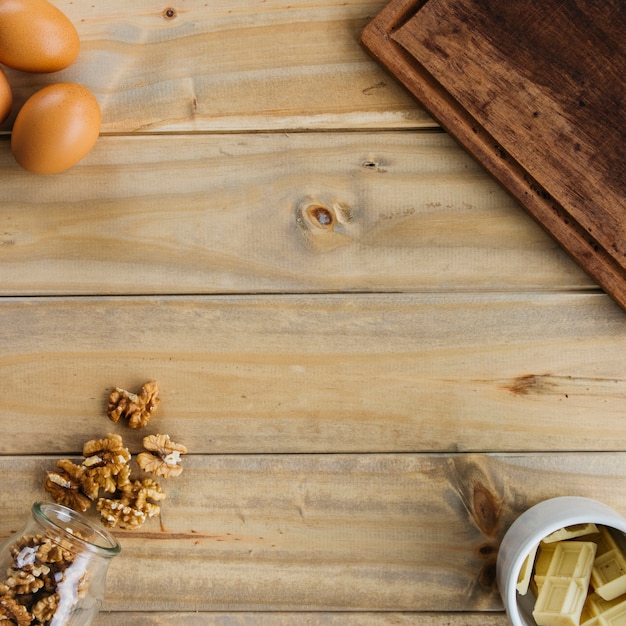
528 530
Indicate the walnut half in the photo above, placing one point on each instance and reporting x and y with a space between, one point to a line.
45 608
134 506
13 612
35 580
163 458
106 465
137 408
65 485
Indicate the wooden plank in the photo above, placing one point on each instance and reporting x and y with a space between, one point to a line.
320 373
303 618
235 213
329 532
540 107
225 65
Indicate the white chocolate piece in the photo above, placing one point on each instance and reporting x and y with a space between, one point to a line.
614 617
605 541
525 573
573 559
544 558
560 602
608 575
599 612
589 613
570 532
563 591
542 564
539 580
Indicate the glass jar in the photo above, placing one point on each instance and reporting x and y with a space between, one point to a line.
53 571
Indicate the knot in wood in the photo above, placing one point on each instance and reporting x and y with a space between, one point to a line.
486 509
169 13
321 216
487 575
322 225
486 550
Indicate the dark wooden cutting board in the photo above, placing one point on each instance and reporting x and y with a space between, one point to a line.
535 90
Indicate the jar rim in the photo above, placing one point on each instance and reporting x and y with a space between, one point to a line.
57 516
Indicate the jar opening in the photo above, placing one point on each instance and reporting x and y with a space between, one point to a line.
76 528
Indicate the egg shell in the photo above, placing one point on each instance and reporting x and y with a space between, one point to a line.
36 36
6 96
55 128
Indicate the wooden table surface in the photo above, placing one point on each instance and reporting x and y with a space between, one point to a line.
375 357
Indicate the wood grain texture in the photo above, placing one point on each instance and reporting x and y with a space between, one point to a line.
230 65
532 108
330 532
557 109
342 325
301 618
320 374
303 212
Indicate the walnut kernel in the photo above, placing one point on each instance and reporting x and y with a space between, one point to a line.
136 408
115 513
65 485
21 582
163 458
105 465
44 609
13 612
136 504
53 553
109 451
106 468
36 580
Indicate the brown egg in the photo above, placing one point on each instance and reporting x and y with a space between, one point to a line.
35 36
6 96
55 128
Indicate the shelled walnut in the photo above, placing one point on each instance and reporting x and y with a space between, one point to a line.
140 493
31 585
52 553
136 504
113 513
13 612
108 451
44 609
136 408
163 458
106 465
65 485
20 582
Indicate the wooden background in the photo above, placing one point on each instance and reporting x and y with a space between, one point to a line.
375 357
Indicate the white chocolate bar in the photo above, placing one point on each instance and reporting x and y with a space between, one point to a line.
542 563
544 558
563 591
560 602
525 573
605 541
615 616
571 532
599 612
573 559
589 614
560 569
608 575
